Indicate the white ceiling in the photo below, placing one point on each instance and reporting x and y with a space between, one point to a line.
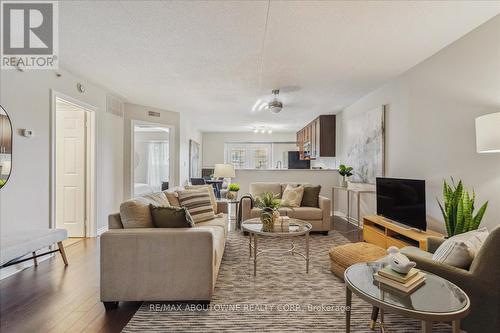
204 58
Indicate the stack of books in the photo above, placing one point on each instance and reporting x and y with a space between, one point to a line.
403 282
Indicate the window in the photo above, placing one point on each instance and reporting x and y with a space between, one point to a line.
258 155
249 155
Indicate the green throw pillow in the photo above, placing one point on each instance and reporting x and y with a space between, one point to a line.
171 217
310 196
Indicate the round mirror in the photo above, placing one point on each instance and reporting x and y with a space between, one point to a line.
5 147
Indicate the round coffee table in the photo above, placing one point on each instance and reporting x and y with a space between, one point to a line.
296 228
436 300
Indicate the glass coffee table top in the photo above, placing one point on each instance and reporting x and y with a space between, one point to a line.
296 228
436 295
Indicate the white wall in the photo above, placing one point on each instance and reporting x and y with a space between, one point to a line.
430 130
188 132
213 143
24 201
169 118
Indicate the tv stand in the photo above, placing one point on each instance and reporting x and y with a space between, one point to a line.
384 233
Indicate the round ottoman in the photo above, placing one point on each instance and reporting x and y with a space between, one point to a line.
346 255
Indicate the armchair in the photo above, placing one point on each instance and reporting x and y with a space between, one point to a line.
481 281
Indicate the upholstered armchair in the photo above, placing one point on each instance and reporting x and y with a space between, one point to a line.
481 281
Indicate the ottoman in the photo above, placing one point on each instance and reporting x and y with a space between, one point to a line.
346 255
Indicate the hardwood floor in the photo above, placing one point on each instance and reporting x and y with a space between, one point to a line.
55 298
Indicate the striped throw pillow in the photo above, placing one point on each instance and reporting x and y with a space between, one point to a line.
198 204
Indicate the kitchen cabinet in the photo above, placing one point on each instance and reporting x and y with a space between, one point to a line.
317 139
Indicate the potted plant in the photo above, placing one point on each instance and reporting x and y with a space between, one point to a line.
458 209
233 189
269 204
345 171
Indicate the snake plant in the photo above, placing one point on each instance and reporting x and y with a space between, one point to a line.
458 209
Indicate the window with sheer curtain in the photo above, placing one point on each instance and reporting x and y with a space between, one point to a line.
158 168
249 155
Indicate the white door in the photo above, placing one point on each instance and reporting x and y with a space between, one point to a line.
70 171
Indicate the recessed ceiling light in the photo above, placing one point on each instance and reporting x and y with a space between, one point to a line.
269 131
256 130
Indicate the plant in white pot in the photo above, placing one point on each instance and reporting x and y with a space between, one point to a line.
345 172
233 189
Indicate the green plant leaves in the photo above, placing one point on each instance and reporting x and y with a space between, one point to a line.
268 200
459 208
345 170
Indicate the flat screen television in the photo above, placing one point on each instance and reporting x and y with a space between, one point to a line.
403 201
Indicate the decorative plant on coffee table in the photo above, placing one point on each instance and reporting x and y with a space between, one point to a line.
345 171
233 189
458 209
269 203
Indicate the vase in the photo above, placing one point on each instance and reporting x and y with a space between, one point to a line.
232 195
267 219
344 182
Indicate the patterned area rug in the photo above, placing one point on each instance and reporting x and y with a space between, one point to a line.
282 298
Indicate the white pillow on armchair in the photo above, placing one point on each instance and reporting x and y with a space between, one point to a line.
460 250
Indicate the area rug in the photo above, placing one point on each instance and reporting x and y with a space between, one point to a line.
281 298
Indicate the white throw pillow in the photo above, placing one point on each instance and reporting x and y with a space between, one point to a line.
292 196
460 250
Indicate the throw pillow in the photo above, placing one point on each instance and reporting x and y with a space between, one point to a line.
460 250
311 196
158 199
135 214
172 198
198 204
171 217
292 196
210 190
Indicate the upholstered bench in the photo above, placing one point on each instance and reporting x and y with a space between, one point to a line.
14 246
346 255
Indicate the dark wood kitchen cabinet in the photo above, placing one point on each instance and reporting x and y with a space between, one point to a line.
317 139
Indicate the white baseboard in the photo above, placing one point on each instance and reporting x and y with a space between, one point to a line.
102 230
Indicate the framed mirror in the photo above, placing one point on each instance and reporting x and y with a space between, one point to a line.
5 147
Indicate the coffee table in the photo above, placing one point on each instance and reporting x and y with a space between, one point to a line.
296 228
436 300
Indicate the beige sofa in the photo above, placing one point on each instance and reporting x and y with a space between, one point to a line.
318 217
161 264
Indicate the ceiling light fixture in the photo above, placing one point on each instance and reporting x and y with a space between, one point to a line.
262 129
256 105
